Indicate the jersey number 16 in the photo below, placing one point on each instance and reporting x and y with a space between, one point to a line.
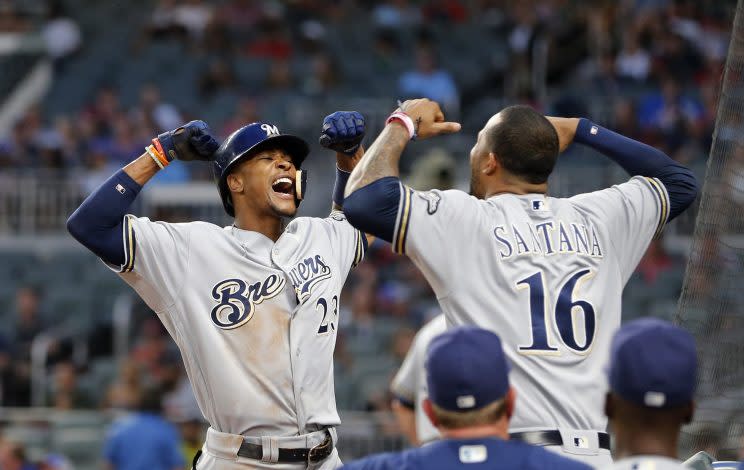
563 315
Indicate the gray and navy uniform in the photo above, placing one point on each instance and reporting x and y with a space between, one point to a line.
409 384
255 321
646 462
546 274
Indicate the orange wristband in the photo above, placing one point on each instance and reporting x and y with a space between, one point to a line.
158 149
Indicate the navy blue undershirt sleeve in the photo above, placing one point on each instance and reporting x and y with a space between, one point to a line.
99 221
640 159
405 402
374 208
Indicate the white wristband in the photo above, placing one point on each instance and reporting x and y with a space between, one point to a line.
154 157
404 119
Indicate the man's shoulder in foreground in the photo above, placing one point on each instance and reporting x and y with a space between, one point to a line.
491 453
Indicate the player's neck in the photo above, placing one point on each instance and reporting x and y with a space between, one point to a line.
499 430
661 442
269 225
514 186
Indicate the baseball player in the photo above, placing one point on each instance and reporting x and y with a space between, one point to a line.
409 386
652 376
470 402
546 274
252 306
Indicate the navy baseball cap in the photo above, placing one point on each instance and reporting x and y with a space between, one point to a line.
466 369
653 363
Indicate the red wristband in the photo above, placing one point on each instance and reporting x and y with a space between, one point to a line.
404 119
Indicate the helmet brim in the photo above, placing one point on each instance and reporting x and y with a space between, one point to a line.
293 145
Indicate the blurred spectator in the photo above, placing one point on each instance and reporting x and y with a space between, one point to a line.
429 81
154 351
395 14
103 112
11 21
193 430
126 144
61 33
238 16
193 16
633 61
13 457
156 441
669 108
55 462
246 112
14 387
433 170
219 76
124 392
446 11
156 115
272 42
29 320
323 76
386 51
162 21
401 343
66 394
280 76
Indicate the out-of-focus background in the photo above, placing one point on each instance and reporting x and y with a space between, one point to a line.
85 84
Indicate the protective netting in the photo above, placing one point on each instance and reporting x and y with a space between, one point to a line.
712 302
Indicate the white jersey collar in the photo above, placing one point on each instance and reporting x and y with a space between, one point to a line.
254 242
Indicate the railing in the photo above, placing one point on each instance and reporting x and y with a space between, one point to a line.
38 204
80 434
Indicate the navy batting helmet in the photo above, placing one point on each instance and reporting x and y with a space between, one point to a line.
247 141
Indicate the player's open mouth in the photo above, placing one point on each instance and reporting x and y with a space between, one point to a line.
284 187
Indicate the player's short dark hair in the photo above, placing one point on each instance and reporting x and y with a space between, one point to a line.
485 415
525 143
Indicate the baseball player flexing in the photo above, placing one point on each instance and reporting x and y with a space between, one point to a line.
544 273
409 386
252 306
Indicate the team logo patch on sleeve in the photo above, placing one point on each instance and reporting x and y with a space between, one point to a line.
432 201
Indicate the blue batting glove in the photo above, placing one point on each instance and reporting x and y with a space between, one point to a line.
192 141
343 132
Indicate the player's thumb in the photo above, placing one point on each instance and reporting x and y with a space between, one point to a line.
446 127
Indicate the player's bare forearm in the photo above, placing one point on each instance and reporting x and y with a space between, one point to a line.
142 169
349 162
381 159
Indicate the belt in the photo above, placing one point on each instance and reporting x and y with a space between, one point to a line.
553 438
312 455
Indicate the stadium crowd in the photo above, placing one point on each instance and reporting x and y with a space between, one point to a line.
648 68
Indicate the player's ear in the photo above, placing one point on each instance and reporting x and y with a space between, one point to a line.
429 411
491 165
608 405
510 402
235 183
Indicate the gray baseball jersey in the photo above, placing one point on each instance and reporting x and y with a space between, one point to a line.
255 321
646 462
409 384
544 273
